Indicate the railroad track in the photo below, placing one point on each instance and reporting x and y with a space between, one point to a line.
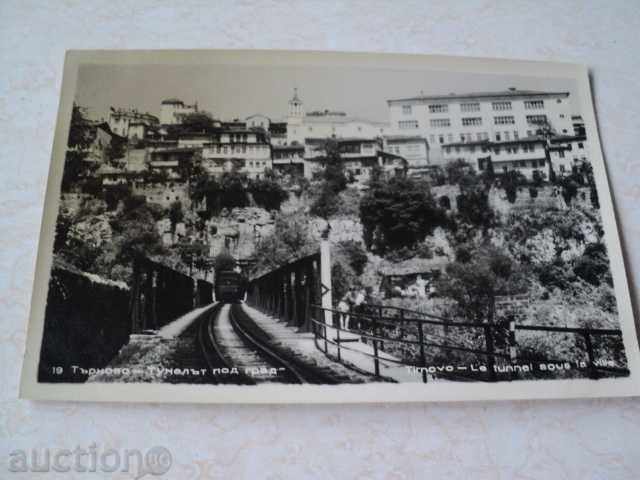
239 352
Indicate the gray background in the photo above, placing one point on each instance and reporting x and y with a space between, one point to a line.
522 440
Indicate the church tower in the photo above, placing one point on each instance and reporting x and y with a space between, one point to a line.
295 109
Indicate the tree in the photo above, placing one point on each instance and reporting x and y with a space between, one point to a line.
176 215
198 122
115 149
334 181
510 182
115 194
353 254
479 274
268 193
593 265
78 143
291 239
397 213
474 208
569 189
224 261
460 172
233 191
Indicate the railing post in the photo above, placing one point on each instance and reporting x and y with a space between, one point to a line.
376 360
338 341
325 281
513 352
593 373
423 357
377 329
491 361
324 335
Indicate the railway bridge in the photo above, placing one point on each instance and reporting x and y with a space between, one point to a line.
287 330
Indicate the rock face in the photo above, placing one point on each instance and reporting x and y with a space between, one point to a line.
93 231
342 229
239 231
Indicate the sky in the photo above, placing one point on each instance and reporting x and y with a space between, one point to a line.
231 91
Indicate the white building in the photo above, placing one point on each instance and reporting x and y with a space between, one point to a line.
288 159
497 116
414 148
247 151
567 152
327 124
525 155
130 123
173 111
359 156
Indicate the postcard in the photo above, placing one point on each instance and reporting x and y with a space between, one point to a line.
298 227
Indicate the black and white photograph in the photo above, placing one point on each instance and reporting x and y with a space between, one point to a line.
238 223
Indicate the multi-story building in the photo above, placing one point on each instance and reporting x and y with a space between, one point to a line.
245 150
171 162
525 155
327 124
414 148
130 123
173 111
278 133
359 157
497 116
288 159
567 152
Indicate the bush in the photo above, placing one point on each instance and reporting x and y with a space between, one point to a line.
397 213
267 193
354 254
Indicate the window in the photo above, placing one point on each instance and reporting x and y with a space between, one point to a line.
529 133
471 121
497 137
515 135
470 107
406 109
561 153
504 120
439 108
501 105
432 139
506 136
441 139
580 145
440 122
478 136
536 119
407 124
533 104
450 137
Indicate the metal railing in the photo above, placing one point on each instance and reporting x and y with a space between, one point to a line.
413 337
288 292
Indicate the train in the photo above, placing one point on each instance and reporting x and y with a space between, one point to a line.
230 286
